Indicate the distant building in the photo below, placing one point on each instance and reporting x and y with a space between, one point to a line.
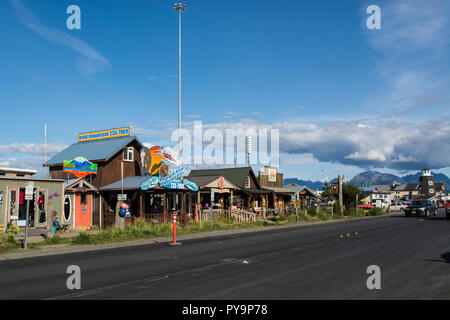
427 189
15 172
273 180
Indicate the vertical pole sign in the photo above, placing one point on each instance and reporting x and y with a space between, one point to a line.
29 188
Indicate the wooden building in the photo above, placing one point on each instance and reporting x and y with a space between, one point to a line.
155 205
112 156
249 195
273 180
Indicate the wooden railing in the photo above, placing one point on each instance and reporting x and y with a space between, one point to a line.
154 217
223 214
243 216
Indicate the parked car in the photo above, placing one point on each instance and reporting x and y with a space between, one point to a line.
447 209
397 206
421 208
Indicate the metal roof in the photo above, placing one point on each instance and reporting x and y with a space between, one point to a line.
99 150
129 183
203 181
17 170
234 175
281 190
31 179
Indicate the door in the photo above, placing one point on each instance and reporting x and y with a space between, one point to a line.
13 206
83 210
41 208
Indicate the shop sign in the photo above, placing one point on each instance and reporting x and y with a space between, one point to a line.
272 175
1 197
164 170
103 134
122 197
83 209
29 188
221 182
80 167
175 185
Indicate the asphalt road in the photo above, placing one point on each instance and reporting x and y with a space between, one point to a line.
312 262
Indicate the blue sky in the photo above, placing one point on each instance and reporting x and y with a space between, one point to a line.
345 98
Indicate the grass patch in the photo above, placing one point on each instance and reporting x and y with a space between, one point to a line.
140 229
9 241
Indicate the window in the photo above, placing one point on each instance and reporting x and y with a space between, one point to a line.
247 182
431 191
128 154
430 183
67 208
83 199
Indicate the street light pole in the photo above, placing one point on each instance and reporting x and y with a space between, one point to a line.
180 7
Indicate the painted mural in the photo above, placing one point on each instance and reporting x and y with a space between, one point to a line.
164 170
80 167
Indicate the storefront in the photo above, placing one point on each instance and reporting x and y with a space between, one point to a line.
48 198
215 191
79 203
154 204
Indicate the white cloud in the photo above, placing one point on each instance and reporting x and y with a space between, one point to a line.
31 148
393 145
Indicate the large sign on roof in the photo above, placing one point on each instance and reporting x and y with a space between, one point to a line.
164 170
103 134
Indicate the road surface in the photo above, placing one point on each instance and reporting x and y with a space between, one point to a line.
325 261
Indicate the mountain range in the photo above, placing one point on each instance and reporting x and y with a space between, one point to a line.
372 177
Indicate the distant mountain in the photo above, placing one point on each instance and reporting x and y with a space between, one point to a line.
313 185
373 177
437 177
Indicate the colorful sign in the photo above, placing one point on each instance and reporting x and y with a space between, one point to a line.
1 197
29 188
221 182
80 167
164 170
103 134
272 175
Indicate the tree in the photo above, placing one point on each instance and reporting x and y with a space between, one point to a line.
349 193
326 193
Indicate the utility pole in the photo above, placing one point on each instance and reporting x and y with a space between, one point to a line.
45 150
180 7
341 202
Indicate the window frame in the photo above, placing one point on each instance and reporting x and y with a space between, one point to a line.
128 152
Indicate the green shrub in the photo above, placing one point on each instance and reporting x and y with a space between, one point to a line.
82 238
377 212
9 241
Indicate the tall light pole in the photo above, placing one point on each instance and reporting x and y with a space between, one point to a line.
180 7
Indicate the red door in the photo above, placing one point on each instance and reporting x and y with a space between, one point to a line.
83 212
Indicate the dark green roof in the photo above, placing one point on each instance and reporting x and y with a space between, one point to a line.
234 175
